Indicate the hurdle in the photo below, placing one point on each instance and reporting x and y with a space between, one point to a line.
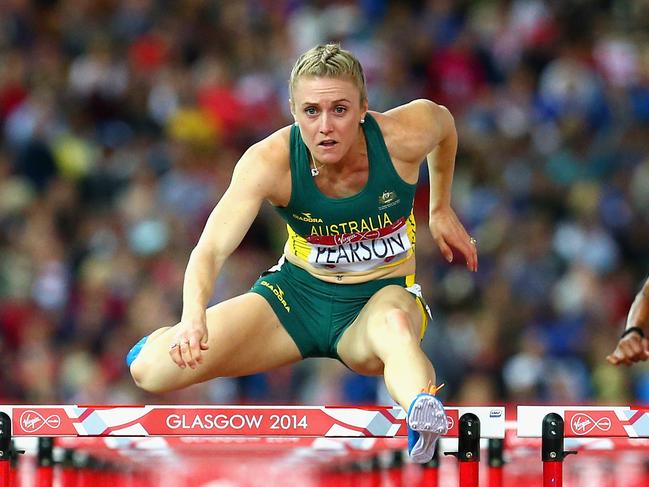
5 448
342 445
293 421
554 423
325 428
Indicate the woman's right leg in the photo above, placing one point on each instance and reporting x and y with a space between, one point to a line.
244 337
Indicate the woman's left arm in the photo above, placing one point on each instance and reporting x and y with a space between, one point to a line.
445 227
423 129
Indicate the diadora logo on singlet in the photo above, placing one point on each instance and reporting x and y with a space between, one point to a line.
278 292
306 217
388 199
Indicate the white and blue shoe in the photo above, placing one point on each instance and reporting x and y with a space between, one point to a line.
426 423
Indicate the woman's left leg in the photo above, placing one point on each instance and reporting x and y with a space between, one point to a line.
385 339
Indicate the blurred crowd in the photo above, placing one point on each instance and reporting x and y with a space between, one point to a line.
121 121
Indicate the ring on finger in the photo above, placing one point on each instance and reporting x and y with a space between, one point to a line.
172 346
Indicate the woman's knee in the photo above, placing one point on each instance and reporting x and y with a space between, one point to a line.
149 370
395 312
157 378
142 375
395 324
392 329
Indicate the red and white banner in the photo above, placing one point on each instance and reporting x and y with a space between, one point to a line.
587 421
307 421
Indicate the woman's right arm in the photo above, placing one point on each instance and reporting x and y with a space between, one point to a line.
227 225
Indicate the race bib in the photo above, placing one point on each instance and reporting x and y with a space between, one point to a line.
360 251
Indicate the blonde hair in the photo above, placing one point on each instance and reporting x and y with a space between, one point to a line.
329 61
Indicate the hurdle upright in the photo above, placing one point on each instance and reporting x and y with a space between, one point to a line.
5 448
553 423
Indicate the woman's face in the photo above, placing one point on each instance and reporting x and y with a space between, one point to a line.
328 111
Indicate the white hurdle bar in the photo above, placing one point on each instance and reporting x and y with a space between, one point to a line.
201 420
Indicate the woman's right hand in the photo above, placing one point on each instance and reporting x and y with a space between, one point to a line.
190 341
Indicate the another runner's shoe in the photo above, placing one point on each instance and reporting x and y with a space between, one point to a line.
426 423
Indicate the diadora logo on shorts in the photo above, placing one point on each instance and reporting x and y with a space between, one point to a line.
306 217
278 292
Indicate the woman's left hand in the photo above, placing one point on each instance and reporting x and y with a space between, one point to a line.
449 233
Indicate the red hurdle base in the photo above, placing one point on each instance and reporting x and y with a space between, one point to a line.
5 473
552 452
5 449
430 471
495 477
69 477
45 477
430 477
552 474
468 454
469 474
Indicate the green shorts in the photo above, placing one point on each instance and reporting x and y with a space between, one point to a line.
316 313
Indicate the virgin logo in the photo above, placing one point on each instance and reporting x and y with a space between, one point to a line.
582 424
31 421
355 237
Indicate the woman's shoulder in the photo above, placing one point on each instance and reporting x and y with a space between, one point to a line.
267 162
273 149
410 130
417 115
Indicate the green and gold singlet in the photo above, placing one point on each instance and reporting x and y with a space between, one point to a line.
370 230
373 229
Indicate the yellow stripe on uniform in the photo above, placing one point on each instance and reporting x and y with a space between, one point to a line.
298 246
412 229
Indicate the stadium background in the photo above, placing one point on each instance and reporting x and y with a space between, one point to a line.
121 121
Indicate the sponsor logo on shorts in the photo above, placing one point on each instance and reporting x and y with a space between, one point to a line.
279 294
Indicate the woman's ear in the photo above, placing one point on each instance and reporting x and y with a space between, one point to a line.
291 108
